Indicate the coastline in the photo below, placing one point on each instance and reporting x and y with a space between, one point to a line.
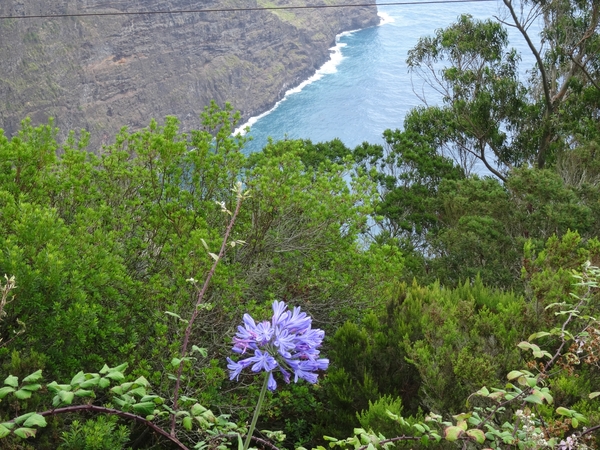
329 67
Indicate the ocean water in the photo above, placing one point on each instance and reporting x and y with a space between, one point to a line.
366 88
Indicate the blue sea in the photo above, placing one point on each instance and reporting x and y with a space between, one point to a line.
365 88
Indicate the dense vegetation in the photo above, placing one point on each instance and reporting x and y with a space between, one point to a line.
432 283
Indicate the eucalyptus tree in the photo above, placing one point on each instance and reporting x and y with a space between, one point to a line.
489 113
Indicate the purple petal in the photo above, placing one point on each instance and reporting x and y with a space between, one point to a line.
305 369
235 368
248 322
279 313
297 321
272 384
285 342
322 364
264 333
286 374
263 361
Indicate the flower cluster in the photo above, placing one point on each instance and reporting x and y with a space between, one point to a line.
287 343
533 436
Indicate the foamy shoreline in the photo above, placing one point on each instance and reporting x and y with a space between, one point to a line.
336 57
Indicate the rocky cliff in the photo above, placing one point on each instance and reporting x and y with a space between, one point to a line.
104 72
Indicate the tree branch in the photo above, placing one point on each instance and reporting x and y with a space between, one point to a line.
199 301
536 54
115 412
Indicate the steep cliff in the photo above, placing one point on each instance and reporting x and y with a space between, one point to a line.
103 72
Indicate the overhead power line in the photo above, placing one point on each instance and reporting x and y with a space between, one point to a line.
214 10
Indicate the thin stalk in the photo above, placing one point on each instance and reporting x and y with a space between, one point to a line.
200 299
261 397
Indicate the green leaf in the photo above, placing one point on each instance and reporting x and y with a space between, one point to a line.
66 397
90 383
175 362
208 415
119 368
391 415
35 376
197 409
139 391
451 434
5 391
477 434
22 394
84 393
78 378
547 396
574 422
117 376
497 395
55 387
11 380
462 416
19 420
122 388
32 387
35 420
202 351
119 402
563 411
25 433
419 428
177 316
144 408
531 382
535 397
142 381
3 431
514 374
592 395
538 335
187 423
483 392
104 383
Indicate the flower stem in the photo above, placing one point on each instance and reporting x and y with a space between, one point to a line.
261 397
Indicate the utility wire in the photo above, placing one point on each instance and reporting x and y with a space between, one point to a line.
266 8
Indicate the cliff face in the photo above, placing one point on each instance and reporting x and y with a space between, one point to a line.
101 73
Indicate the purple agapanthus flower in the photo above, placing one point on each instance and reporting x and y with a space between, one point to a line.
286 344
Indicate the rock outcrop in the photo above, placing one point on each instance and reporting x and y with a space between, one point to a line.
104 72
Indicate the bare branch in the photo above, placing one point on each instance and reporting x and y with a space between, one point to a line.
199 301
536 54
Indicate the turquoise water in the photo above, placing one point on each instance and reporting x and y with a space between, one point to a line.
366 88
